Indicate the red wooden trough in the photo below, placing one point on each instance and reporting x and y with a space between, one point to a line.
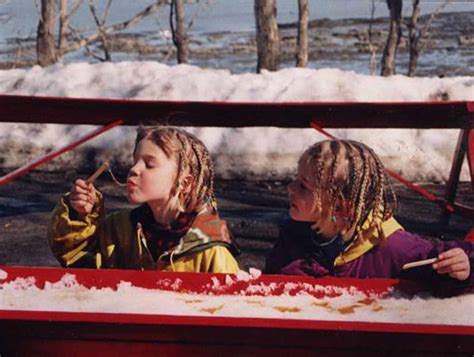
79 333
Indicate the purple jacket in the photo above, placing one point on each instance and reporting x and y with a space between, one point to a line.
291 255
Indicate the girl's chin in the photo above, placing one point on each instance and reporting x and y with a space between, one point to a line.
294 214
133 199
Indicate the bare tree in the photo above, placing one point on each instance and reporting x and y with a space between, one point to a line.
372 49
180 37
48 53
63 25
45 46
302 39
393 39
268 41
100 26
415 36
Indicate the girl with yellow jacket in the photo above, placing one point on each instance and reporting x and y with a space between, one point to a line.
176 226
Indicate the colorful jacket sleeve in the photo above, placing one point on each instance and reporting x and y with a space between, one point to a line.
74 241
407 247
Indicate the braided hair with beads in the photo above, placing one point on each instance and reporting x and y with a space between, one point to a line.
349 173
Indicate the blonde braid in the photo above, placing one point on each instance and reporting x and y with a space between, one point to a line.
198 187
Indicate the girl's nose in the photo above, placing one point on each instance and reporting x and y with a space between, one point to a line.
133 171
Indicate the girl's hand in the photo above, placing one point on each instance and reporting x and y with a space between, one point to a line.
455 263
82 198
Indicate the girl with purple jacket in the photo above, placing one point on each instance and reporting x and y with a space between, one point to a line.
341 209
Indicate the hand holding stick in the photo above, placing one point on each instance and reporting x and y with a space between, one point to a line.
99 171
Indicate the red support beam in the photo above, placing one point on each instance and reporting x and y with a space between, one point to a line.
28 167
94 111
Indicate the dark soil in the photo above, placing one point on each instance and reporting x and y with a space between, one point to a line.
252 209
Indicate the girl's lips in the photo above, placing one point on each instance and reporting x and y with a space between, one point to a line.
131 184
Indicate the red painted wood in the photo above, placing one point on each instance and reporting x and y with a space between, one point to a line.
62 333
201 283
33 165
232 114
470 236
97 339
189 282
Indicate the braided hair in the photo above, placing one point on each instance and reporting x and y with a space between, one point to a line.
350 173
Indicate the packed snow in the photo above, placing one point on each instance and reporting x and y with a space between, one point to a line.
313 302
420 155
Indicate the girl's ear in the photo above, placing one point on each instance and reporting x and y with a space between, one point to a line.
186 183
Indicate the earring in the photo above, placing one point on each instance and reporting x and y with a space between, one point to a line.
333 218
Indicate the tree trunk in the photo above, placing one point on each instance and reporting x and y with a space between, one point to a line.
390 51
268 42
45 46
302 39
372 48
63 28
180 38
413 39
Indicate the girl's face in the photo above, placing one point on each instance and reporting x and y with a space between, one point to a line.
152 177
301 193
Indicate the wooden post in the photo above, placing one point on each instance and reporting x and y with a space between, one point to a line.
451 188
470 154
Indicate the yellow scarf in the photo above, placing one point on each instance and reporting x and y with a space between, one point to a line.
366 239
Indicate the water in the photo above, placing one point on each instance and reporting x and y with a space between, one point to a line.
233 18
212 15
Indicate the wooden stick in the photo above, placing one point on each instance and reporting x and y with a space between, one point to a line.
419 263
99 171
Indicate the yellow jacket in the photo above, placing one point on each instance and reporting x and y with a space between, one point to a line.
111 241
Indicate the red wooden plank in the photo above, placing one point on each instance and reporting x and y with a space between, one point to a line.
34 336
190 282
200 283
60 333
232 114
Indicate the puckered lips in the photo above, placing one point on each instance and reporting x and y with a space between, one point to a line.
131 185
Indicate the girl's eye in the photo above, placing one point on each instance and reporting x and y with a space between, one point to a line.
149 165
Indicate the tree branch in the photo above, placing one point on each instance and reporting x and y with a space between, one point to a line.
428 23
117 27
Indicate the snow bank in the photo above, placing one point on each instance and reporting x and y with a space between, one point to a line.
420 155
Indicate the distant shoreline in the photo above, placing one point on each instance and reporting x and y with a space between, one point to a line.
338 43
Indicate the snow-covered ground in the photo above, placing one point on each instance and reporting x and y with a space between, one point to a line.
257 300
421 155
